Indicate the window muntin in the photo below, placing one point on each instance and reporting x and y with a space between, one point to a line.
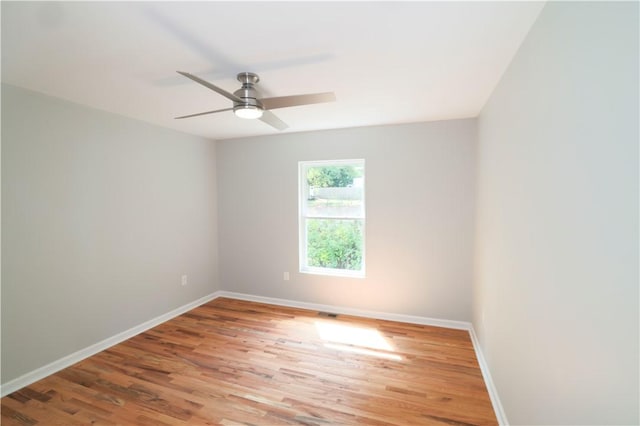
332 217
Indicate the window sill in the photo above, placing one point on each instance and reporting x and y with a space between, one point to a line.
333 272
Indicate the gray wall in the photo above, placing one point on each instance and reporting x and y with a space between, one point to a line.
101 215
420 212
556 281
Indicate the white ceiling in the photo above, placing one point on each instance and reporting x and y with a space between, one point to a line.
387 62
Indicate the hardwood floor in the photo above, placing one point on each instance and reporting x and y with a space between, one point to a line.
233 362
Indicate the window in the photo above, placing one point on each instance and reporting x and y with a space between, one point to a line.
332 217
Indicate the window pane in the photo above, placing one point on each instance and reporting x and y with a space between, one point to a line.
335 191
334 243
332 217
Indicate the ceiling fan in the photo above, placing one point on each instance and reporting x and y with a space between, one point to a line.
247 102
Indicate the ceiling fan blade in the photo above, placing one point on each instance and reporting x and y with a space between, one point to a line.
273 121
211 86
295 100
203 113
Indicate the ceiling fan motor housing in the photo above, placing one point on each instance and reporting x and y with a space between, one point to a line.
247 92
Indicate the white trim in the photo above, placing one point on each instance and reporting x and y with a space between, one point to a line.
491 388
460 325
62 363
332 272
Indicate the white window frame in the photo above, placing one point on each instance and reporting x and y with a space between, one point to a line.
303 194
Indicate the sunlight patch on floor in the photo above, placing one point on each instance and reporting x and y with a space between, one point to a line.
359 340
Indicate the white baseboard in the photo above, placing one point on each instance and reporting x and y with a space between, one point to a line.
459 325
491 388
55 366
42 372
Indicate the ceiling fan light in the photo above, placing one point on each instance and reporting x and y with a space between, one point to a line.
248 111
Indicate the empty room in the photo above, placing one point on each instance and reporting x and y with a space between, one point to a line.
320 213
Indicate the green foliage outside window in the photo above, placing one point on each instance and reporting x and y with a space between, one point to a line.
331 176
334 244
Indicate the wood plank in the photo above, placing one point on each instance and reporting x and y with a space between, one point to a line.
233 362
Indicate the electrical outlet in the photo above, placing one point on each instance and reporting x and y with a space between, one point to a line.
184 280
286 276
